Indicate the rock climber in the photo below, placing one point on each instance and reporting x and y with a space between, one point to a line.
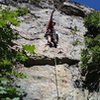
51 36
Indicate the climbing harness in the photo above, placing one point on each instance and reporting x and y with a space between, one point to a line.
56 78
53 39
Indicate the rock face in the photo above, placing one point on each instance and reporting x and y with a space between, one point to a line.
70 40
43 83
54 74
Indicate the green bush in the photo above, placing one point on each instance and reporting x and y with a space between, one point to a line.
92 23
8 58
29 48
90 56
92 37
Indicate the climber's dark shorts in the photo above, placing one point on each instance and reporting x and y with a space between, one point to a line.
48 34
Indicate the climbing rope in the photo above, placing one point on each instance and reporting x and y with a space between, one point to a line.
56 78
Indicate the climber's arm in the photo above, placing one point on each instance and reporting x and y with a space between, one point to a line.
52 14
50 21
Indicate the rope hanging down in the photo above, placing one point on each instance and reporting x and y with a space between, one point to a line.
56 78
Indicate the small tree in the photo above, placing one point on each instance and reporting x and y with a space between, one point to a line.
90 56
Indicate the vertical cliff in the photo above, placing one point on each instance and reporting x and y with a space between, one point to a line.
54 74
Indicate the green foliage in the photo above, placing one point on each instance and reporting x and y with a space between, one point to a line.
7 57
73 32
21 57
19 75
5 65
26 49
7 90
92 23
85 57
93 19
90 56
8 17
29 48
21 11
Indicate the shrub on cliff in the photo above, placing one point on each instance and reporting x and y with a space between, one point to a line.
8 57
90 56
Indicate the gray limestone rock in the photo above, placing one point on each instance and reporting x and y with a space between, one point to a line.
43 77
